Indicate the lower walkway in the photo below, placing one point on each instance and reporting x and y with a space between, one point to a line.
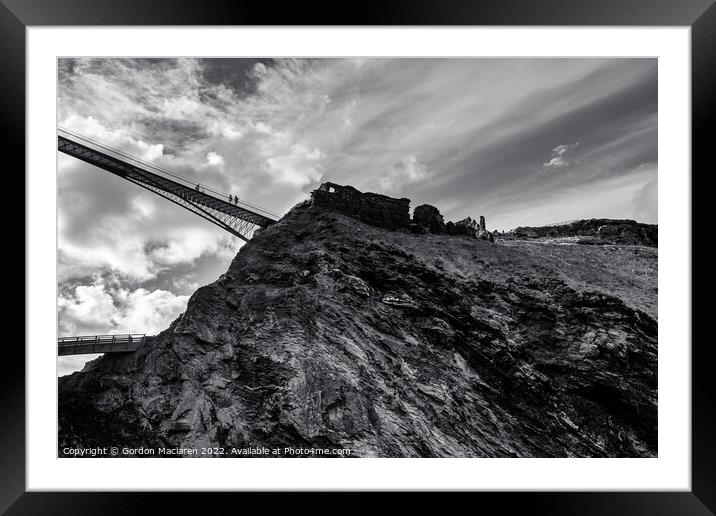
86 344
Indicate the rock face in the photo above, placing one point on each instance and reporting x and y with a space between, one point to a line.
595 231
371 208
430 218
329 333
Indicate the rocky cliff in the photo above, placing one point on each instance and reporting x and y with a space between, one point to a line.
594 231
329 332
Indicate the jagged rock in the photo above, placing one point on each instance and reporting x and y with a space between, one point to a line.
469 226
329 333
354 283
429 217
466 226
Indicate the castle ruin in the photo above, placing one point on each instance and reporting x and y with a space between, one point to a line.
393 214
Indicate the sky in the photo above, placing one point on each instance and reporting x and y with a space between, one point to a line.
521 141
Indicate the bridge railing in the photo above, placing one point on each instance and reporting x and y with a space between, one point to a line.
86 344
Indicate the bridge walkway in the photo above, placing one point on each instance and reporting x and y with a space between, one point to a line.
88 344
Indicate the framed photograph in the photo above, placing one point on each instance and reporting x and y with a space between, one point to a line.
416 250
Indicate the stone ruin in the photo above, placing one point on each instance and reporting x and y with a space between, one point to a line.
391 213
469 226
429 218
371 208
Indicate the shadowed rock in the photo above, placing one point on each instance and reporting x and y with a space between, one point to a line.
429 217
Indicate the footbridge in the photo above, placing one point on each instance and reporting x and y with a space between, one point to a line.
230 213
88 344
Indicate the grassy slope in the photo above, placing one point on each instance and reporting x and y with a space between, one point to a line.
629 272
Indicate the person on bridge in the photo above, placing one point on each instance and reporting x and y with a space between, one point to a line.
231 199
197 188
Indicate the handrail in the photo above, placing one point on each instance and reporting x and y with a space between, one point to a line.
94 338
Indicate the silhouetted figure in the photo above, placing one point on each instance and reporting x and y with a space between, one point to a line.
231 199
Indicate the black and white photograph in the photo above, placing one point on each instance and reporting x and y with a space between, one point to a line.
357 257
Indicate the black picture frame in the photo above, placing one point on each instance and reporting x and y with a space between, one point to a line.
700 15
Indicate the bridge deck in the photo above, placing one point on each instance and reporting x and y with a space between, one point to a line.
237 217
88 344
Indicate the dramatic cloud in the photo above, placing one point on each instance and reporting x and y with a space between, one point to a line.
521 141
96 309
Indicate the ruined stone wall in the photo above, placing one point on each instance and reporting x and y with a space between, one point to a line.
391 213
371 208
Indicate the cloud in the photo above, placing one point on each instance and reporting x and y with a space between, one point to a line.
556 162
299 167
118 138
212 158
187 248
408 170
558 158
91 307
99 309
